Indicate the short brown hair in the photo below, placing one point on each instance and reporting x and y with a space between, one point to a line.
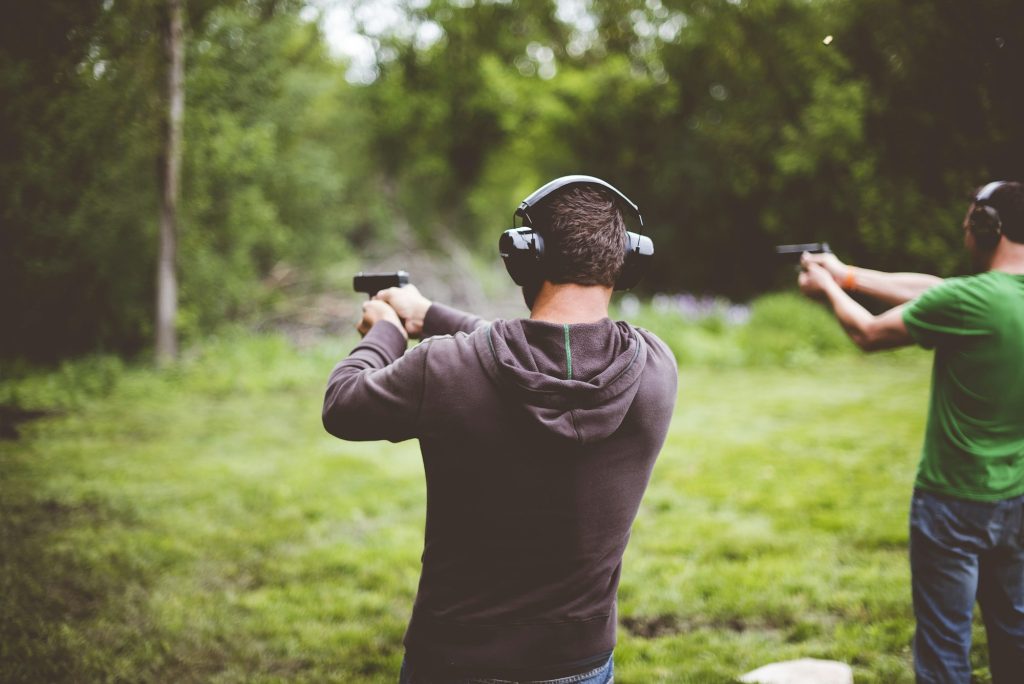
584 236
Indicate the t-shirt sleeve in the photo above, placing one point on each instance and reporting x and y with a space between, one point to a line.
942 314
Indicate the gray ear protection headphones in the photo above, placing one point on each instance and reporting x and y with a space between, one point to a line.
522 249
983 221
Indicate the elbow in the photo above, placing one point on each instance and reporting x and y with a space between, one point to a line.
332 425
336 419
341 421
870 346
340 425
346 420
865 341
872 338
338 414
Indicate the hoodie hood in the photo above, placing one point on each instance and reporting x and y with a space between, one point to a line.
577 381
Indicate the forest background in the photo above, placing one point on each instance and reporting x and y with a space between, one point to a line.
734 125
193 522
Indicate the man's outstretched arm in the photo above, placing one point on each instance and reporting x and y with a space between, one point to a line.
869 332
890 288
423 318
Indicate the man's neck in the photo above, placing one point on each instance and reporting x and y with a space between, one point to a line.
1008 257
570 303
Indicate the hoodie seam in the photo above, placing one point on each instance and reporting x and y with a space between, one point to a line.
490 343
423 381
575 428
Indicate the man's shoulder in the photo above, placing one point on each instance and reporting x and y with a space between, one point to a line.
973 291
650 337
456 339
659 354
980 281
962 307
660 378
437 347
947 293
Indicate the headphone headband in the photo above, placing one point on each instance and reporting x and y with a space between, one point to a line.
984 221
985 193
522 249
540 193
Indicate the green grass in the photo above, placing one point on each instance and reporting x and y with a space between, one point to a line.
199 525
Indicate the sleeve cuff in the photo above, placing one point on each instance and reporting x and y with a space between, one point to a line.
915 331
440 320
386 336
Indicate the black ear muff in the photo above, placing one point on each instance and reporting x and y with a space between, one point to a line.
639 251
522 249
985 227
984 222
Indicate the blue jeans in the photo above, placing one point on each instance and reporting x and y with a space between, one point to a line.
605 674
962 551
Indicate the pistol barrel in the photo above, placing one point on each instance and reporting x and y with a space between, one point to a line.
812 247
372 283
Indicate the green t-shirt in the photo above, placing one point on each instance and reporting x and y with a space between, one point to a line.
974 442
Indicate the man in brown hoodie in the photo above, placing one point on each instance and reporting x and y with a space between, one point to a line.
538 438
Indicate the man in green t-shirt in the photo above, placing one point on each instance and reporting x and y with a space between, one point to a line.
967 512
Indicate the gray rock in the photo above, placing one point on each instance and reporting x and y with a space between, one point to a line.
803 671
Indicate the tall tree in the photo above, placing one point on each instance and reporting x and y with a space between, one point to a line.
170 168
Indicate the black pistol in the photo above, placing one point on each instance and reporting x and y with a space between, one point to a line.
372 283
797 250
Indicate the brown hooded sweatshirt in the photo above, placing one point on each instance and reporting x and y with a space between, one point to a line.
538 441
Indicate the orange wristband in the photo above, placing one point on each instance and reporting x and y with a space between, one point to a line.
849 279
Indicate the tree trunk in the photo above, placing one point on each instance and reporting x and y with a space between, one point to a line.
170 174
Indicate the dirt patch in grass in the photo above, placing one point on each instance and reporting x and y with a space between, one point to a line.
12 416
655 626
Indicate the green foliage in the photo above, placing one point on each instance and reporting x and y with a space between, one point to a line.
783 329
72 385
786 329
734 125
271 171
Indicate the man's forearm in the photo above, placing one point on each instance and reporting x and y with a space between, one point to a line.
446 320
869 332
890 288
854 318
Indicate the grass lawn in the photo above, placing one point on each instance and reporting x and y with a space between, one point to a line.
199 525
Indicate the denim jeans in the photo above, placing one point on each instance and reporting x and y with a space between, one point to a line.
962 551
605 674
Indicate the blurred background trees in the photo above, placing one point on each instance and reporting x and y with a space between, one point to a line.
734 124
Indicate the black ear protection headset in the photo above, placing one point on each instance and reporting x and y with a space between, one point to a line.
522 249
983 221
